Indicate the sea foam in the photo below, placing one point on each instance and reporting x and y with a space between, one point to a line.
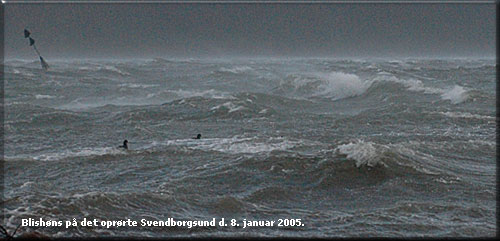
339 85
363 153
456 95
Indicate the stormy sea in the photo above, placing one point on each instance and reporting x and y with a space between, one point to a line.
345 147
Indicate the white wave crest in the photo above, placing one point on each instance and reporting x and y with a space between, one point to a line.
44 97
466 115
333 85
104 67
230 106
483 142
159 97
24 72
372 154
411 84
211 93
85 152
338 85
364 153
132 85
237 145
236 70
456 95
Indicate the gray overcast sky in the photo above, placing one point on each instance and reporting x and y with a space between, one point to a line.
204 30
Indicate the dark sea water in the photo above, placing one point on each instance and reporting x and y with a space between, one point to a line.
367 147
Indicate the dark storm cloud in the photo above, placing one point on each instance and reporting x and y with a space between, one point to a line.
147 30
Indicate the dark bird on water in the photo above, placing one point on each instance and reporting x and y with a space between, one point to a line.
125 146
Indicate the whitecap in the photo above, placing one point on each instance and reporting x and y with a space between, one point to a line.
364 153
85 152
456 95
238 145
339 85
333 85
44 97
230 106
466 115
236 69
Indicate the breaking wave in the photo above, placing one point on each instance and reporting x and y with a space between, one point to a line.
235 70
104 68
156 98
84 152
230 106
370 154
456 95
466 115
237 145
363 153
45 97
333 85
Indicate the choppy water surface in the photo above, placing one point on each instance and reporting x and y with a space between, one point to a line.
351 147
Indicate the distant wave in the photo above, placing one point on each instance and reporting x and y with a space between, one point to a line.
23 71
211 93
44 97
455 95
237 145
230 106
162 61
339 85
333 85
235 70
105 67
155 98
233 145
67 154
134 85
466 115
